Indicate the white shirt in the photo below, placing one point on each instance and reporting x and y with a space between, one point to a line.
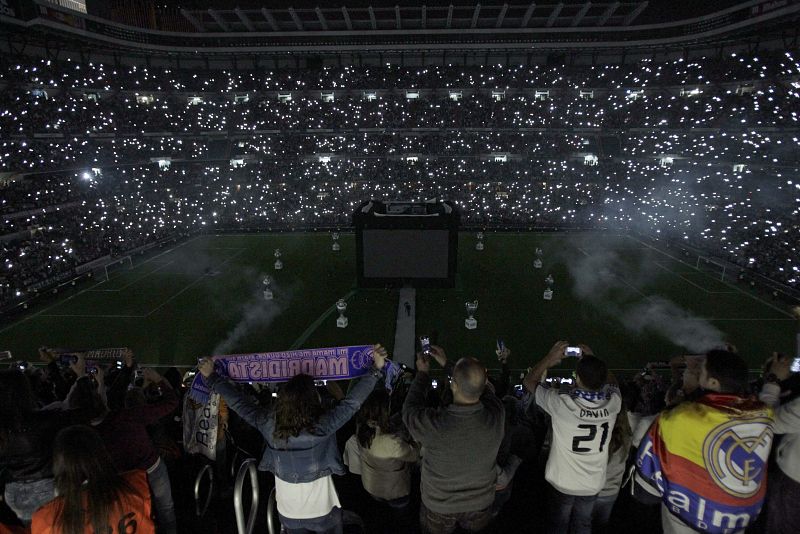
306 500
582 425
352 455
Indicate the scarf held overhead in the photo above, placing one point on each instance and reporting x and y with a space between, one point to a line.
335 363
708 459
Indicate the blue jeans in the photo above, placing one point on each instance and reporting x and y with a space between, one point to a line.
326 524
570 513
601 515
161 493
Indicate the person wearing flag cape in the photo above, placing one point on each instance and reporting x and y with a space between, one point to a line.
707 458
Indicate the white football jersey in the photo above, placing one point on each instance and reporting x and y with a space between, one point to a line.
582 426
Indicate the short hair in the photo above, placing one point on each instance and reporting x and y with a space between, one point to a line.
592 371
470 375
729 369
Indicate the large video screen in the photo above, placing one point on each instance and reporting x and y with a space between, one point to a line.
400 253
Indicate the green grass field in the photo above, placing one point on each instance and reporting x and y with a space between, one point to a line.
170 309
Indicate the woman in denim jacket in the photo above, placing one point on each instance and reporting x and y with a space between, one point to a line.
301 443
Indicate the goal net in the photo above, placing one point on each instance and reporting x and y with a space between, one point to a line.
119 264
711 266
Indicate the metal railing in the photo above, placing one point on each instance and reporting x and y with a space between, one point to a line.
247 467
273 526
207 469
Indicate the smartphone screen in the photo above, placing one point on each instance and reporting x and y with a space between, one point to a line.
795 365
573 352
425 344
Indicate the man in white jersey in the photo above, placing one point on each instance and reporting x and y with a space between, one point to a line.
583 419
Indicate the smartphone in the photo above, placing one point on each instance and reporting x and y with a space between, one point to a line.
67 359
22 365
274 395
567 381
795 368
435 384
572 352
425 344
319 383
519 391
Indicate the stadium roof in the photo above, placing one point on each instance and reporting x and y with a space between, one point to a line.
358 26
375 16
656 11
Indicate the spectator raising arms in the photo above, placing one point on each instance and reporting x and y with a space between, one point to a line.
583 420
92 497
458 481
124 432
26 439
301 444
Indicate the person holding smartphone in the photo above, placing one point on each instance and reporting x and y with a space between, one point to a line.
458 483
583 419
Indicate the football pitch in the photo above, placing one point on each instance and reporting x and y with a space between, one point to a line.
631 302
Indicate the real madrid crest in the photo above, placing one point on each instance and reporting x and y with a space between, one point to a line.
735 454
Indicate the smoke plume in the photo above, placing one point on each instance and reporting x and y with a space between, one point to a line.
602 278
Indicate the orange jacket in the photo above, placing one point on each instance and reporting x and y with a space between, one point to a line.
131 516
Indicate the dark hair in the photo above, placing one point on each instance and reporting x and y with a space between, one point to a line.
85 396
16 403
298 407
86 480
729 369
174 377
373 415
592 371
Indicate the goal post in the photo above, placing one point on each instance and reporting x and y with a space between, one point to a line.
710 265
125 262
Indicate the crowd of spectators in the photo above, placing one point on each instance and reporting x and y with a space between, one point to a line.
646 72
114 158
428 449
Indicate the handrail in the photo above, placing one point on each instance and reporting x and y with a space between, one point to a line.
206 469
234 458
271 504
248 466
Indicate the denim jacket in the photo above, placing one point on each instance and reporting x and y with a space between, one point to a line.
309 456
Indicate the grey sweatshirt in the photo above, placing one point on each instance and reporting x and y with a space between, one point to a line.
460 446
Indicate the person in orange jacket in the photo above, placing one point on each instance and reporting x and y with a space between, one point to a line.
92 497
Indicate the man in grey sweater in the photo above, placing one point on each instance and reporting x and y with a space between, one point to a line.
460 443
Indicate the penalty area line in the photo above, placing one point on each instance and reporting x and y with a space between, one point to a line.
313 326
754 297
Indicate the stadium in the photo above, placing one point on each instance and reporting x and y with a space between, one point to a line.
199 179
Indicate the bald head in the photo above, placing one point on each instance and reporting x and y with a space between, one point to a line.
470 378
